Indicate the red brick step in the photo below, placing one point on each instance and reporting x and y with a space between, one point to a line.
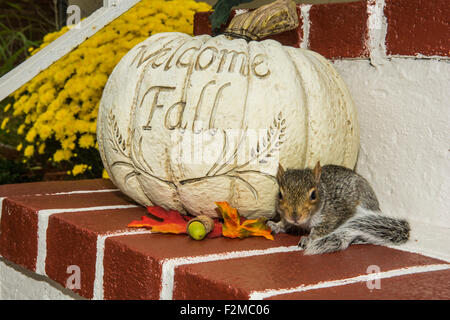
286 270
68 232
152 257
420 286
25 219
85 226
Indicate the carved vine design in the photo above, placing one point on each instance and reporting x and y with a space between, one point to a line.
264 149
138 163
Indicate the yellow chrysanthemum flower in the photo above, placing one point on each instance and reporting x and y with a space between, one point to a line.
86 141
61 103
4 122
79 169
29 151
105 174
41 149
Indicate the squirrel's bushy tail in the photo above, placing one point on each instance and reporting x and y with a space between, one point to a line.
366 227
378 229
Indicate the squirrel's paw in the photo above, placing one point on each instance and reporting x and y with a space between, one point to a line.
329 243
304 241
276 227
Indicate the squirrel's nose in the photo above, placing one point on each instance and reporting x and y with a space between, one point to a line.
295 215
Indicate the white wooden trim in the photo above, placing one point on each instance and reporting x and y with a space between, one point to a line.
31 67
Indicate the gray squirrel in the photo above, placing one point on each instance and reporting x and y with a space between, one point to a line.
336 206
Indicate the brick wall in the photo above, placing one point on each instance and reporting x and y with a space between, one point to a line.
346 30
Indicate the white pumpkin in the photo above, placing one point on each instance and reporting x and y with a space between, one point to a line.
186 121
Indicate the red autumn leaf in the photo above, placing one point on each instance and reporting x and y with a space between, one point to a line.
170 221
236 227
217 231
164 221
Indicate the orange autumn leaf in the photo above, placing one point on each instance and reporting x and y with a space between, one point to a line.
236 227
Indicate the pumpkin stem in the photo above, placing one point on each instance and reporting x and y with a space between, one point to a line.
273 18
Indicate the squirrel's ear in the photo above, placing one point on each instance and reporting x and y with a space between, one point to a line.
280 172
317 171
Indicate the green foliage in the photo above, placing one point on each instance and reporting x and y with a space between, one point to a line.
222 10
9 54
14 171
54 114
23 23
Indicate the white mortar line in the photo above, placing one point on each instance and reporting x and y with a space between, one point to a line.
304 9
31 67
76 192
259 295
68 192
99 269
1 211
377 30
169 265
56 194
409 247
43 216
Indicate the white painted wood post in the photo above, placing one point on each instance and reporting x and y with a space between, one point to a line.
31 67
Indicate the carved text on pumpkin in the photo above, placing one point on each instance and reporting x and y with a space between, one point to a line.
194 57
208 58
224 166
173 117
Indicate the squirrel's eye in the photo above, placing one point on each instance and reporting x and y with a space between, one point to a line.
280 195
313 195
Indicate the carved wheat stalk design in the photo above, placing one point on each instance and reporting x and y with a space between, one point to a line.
269 144
119 144
265 148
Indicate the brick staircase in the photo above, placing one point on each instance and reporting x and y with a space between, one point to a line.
50 227
56 229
